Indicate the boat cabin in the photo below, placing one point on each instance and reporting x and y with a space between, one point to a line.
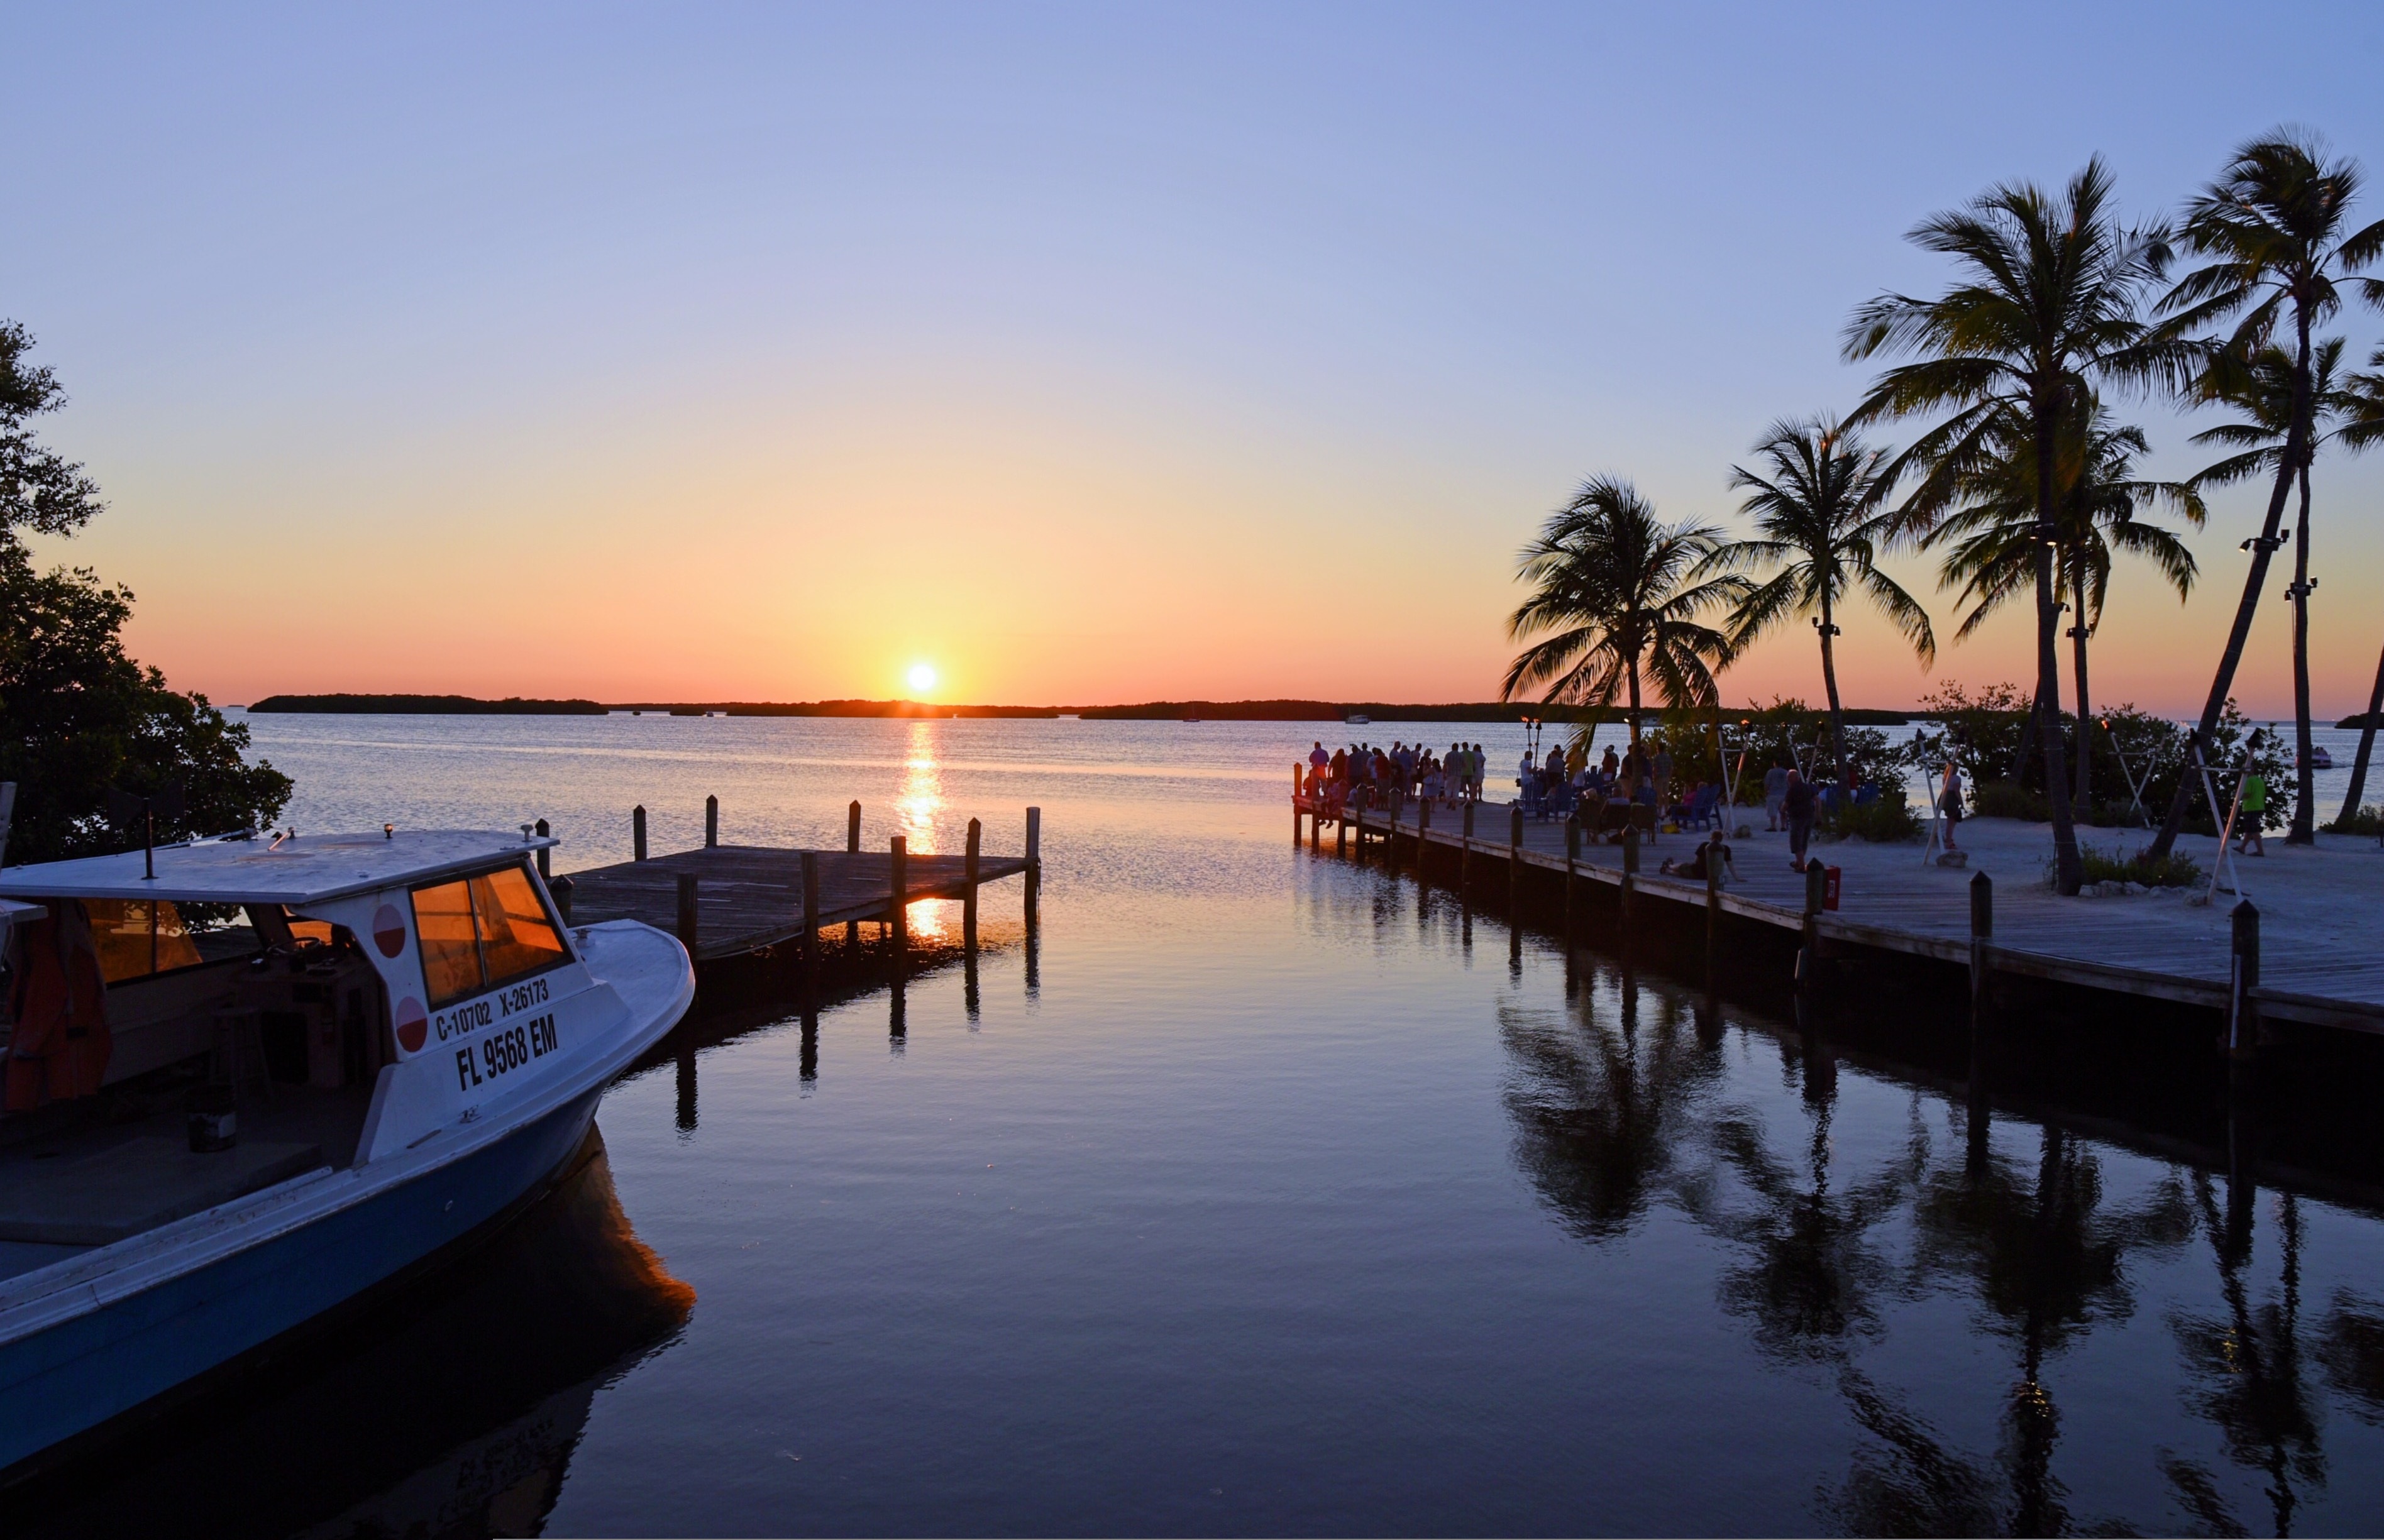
326 1001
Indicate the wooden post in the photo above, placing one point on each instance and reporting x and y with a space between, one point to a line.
1294 805
686 913
810 913
638 832
1391 839
968 887
1341 832
1983 933
1809 955
1034 845
1572 858
1423 831
1713 901
710 822
1627 895
1465 852
2242 1011
853 829
542 833
1514 860
560 890
897 916
1315 830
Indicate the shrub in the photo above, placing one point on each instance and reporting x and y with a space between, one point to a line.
2006 800
2368 820
1886 819
2173 871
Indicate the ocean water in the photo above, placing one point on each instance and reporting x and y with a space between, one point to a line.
1273 1193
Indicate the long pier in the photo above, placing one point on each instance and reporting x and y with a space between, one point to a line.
2317 962
726 901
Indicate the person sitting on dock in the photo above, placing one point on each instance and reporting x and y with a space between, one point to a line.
1694 867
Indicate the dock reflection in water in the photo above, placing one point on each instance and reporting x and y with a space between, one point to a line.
452 1409
1631 1101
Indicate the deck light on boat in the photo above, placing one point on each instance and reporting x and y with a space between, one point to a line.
525 828
388 831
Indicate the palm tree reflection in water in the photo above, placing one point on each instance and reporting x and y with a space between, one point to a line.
1623 1102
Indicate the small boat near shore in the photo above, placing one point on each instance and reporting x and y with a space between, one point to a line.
249 1082
2321 759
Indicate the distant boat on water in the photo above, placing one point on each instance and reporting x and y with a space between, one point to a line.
1358 719
2321 759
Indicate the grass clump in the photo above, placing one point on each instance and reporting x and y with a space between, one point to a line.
2009 799
1886 819
2171 871
2367 821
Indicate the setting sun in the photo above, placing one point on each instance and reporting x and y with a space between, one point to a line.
923 676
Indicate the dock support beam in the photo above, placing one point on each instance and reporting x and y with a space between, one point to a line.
811 917
897 902
2242 1011
1626 894
1808 954
1713 901
542 833
710 822
1983 935
1514 862
638 832
1572 858
968 887
686 913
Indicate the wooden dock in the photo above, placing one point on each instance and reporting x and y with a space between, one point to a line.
2316 959
729 900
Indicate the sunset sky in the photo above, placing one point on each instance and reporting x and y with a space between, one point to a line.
1090 354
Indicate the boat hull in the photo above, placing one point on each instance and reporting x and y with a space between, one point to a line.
100 1365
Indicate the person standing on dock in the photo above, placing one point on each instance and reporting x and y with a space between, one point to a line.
1949 802
1318 757
1663 775
1775 794
2255 810
1799 804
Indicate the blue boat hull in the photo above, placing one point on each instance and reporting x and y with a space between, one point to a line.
83 1373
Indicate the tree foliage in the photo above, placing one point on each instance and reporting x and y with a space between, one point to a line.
80 718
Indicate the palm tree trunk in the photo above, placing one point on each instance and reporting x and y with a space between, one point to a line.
2296 441
1837 708
2305 826
1634 702
2085 713
2366 747
2069 872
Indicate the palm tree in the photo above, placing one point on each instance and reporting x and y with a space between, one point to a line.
2261 388
2047 307
1618 593
2361 404
2272 225
1823 528
1985 510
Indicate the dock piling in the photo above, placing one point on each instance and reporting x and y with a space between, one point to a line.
560 890
853 829
638 832
898 911
968 888
1982 932
686 911
542 833
2243 1009
1713 901
710 822
1341 835
1034 886
1515 859
1626 892
811 916
1808 954
1465 854
1572 859
1294 805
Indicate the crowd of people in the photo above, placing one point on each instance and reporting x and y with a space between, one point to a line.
1636 788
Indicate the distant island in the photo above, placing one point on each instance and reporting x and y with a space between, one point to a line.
425 705
1149 710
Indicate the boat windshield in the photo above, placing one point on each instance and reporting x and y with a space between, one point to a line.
478 932
136 938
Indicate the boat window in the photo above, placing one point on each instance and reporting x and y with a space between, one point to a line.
515 936
482 932
140 936
451 949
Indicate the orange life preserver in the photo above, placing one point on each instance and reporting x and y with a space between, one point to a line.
59 1047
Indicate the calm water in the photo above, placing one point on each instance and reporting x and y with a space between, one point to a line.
1286 1198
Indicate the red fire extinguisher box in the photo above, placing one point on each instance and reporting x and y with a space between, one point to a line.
1830 887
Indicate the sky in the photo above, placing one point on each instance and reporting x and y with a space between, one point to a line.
1088 355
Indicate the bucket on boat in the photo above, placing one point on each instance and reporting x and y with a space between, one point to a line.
215 1122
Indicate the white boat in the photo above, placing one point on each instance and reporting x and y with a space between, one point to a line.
410 1043
1359 720
2321 759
